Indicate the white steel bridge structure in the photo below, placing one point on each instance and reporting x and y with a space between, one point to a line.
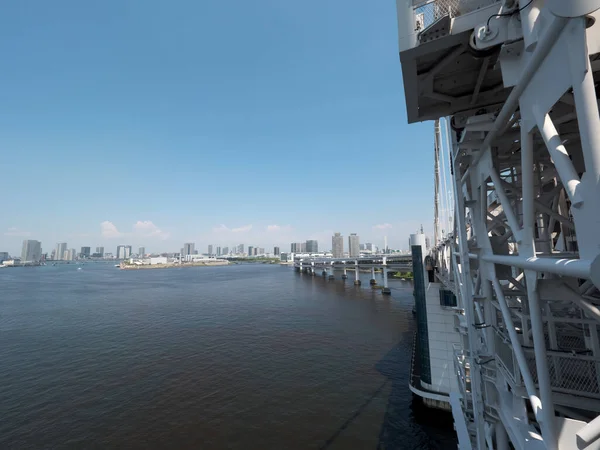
512 86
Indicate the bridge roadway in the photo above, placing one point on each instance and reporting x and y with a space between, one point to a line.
384 262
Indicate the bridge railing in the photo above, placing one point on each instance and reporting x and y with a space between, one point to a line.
428 11
570 372
416 15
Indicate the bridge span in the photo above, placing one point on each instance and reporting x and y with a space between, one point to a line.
385 263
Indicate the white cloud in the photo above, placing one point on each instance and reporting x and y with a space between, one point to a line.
109 230
220 228
147 229
14 231
223 228
142 228
277 228
383 226
242 229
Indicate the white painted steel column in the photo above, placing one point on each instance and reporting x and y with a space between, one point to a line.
527 248
586 106
407 33
345 272
511 218
589 433
529 16
501 437
490 319
467 294
372 273
385 277
356 278
558 153
518 352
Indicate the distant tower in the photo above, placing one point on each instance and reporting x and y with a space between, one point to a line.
385 247
353 245
32 251
337 245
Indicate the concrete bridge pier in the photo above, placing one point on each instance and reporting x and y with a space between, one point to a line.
345 274
312 269
386 290
356 274
331 276
373 281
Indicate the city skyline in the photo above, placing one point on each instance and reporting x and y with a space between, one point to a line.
308 246
268 237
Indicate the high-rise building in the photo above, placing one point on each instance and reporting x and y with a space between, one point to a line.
210 250
362 247
312 246
100 251
123 251
250 250
353 245
218 251
61 248
70 255
142 252
276 251
188 248
369 247
32 251
4 256
226 250
296 247
261 251
85 252
240 248
337 245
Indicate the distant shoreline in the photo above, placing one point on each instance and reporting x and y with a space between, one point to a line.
171 265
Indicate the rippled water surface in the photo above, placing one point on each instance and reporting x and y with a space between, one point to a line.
245 356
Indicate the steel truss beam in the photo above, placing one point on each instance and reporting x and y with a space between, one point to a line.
525 251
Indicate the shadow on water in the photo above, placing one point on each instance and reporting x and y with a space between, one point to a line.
407 422
428 428
404 426
351 419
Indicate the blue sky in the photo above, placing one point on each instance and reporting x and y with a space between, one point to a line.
220 122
